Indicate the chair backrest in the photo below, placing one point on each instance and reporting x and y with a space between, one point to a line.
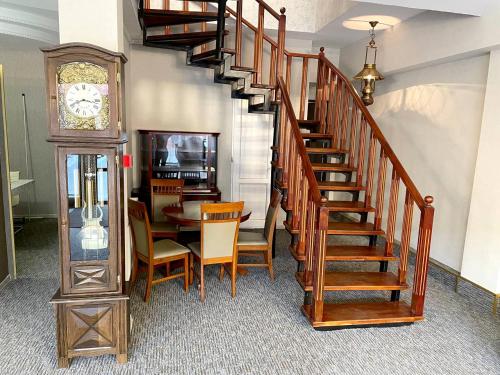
164 193
272 216
220 223
141 228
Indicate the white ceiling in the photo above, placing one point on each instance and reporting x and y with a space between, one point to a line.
469 7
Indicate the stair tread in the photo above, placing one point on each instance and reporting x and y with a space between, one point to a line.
177 36
316 136
339 186
348 206
325 150
333 167
211 54
243 69
363 313
357 253
262 86
162 17
353 228
308 123
336 281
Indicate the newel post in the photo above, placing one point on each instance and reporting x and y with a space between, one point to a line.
281 49
319 263
422 261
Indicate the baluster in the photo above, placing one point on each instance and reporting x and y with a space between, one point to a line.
147 4
379 207
204 8
185 7
330 115
405 238
324 100
298 182
354 125
319 86
258 47
371 167
282 140
272 66
292 177
393 210
239 31
166 6
281 48
303 88
319 263
288 72
361 152
345 115
310 239
338 108
422 258
288 142
304 196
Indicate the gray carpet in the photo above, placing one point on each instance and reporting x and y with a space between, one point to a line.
260 332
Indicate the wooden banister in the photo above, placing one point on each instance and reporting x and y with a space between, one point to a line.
268 8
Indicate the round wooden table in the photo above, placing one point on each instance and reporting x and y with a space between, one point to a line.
189 213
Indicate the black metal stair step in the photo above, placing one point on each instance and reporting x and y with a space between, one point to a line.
160 17
183 40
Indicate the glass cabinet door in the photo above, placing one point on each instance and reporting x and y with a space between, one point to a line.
89 234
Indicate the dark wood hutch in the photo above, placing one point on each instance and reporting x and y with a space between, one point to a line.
191 156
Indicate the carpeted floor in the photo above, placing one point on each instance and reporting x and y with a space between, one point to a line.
260 332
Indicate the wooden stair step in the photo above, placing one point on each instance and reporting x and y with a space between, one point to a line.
289 229
161 17
316 136
243 69
332 167
183 36
339 186
353 229
362 314
341 281
262 86
308 124
348 206
212 54
325 150
351 253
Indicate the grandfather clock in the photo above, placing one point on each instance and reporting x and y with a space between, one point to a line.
85 96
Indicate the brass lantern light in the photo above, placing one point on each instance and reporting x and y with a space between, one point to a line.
369 74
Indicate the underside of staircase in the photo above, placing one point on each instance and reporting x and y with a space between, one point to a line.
331 166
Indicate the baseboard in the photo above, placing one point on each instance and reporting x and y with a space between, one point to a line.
5 281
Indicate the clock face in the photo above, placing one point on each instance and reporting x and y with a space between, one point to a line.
83 96
83 100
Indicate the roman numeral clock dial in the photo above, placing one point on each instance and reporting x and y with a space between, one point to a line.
83 100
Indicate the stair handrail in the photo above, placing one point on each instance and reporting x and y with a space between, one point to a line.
417 197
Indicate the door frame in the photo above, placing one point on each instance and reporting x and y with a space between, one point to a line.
5 182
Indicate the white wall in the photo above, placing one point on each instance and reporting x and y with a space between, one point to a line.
24 73
432 119
165 94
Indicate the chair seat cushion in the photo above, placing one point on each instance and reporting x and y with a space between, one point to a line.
163 227
168 248
195 248
251 238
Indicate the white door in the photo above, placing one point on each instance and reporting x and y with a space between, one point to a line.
251 161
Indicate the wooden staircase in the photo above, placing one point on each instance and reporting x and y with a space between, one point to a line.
332 166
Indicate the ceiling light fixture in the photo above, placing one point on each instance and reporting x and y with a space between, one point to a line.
369 74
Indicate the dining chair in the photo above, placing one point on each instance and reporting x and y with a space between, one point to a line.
261 243
219 235
151 253
164 193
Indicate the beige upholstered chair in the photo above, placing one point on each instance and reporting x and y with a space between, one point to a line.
151 253
164 193
219 234
261 243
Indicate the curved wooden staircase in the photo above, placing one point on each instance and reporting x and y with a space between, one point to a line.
332 167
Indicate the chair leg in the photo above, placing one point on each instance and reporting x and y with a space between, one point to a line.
135 266
233 278
269 261
167 268
186 272
149 282
221 272
191 268
202 283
